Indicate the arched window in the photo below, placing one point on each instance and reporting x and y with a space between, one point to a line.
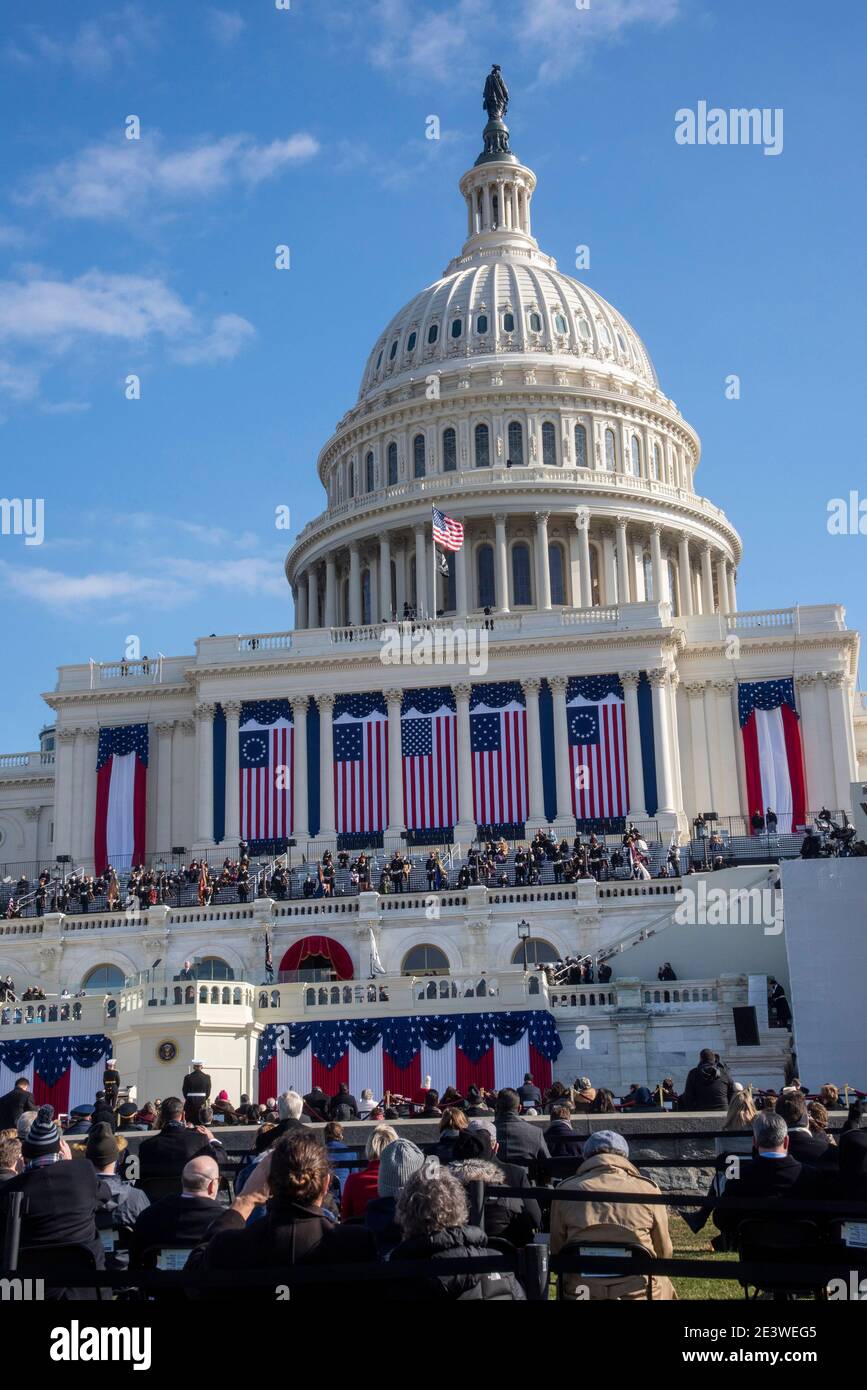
433 333
350 477
425 960
103 977
539 951
584 330
635 452
516 444
450 451
521 582
656 467
393 351
365 597
580 446
560 324
392 464
549 445
483 446
604 335
411 341
556 572
213 968
482 324
457 327
485 572
595 590
368 472
418 456
610 451
508 322
535 323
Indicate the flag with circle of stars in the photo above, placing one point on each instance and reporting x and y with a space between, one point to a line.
596 724
266 766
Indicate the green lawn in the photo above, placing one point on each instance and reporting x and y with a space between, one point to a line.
689 1246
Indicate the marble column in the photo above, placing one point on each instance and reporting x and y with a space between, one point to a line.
232 711
63 791
204 775
312 597
301 602
78 829
300 798
840 717
582 523
622 561
182 828
461 603
724 751
396 814
685 576
400 577
327 830
565 813
722 583
706 581
373 585
354 584
164 732
385 578
421 577
656 563
501 562
634 761
733 597
543 569
531 685
465 830
661 697
331 591
87 801
695 693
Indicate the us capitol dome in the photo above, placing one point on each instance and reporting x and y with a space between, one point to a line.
521 401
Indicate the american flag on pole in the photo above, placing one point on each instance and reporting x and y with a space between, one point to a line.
446 531
121 796
498 742
429 752
596 720
266 758
360 763
773 751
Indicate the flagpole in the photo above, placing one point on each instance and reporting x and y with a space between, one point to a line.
433 596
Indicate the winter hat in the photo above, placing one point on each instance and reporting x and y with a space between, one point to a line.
44 1136
397 1163
479 1122
224 1095
102 1147
473 1143
605 1139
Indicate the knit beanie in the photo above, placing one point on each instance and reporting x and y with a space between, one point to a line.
397 1163
102 1147
44 1135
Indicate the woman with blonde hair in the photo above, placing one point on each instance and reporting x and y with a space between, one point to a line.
741 1111
361 1186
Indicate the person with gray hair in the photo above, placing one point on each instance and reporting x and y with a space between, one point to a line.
289 1105
770 1175
180 1220
605 1167
433 1214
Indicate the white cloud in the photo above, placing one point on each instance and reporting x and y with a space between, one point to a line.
229 334
93 48
18 381
226 26
121 178
180 580
64 407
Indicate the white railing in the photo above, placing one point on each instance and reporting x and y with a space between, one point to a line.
265 642
31 761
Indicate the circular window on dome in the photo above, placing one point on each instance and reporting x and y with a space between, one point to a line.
584 330
393 353
457 328
411 341
508 323
535 323
482 323
560 324
433 332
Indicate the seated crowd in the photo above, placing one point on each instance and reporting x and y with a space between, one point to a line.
303 1197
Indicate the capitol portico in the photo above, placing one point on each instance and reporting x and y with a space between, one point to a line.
515 399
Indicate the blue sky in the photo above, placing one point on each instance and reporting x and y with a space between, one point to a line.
306 127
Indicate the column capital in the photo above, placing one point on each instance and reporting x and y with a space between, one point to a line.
808 678
500 518
542 518
90 732
462 691
299 704
32 812
393 697
629 679
205 713
166 726
705 547
66 735
722 686
326 702
558 683
231 707
658 677
186 726
836 679
656 528
531 685
695 689
621 521
683 539
582 519
354 547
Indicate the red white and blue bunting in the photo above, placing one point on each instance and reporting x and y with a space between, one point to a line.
394 1054
64 1072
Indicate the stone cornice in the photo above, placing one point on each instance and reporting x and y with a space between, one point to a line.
57 699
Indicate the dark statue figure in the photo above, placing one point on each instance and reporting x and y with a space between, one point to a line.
496 97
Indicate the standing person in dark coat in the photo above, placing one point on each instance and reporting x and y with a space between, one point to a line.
15 1102
61 1196
162 1159
560 1137
196 1089
293 1178
184 1218
520 1142
318 1103
343 1106
708 1086
529 1094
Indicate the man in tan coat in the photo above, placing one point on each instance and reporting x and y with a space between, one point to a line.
606 1168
